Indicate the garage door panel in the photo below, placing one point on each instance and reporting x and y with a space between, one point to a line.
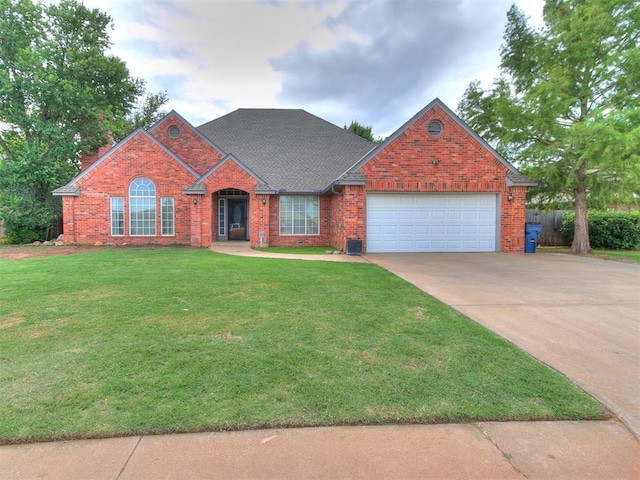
431 223
422 202
374 214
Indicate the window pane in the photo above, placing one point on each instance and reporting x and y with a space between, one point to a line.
166 204
142 187
117 216
222 205
142 207
299 215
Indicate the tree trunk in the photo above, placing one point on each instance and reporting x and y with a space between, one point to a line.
581 244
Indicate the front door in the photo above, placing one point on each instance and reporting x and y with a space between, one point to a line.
237 226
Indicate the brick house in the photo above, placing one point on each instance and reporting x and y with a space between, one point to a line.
286 178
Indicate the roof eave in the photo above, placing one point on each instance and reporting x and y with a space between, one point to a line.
194 189
66 191
527 182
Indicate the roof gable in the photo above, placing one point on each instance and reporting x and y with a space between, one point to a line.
517 177
198 188
71 187
191 145
291 150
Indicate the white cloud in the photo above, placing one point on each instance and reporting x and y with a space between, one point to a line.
339 59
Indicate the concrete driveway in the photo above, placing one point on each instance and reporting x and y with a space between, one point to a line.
579 315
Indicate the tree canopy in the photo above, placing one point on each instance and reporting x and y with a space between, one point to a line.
147 112
364 131
566 107
60 94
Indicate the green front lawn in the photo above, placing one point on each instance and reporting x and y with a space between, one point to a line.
127 341
627 256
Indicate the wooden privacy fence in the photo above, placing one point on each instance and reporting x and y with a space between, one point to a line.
551 223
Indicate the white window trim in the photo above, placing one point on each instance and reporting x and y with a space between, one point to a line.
111 199
222 220
297 234
173 217
155 210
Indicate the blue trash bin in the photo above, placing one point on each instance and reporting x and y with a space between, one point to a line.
531 232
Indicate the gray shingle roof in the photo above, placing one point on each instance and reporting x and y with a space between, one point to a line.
517 178
291 150
67 190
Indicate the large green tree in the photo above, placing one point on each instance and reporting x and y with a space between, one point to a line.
364 131
60 95
566 107
147 112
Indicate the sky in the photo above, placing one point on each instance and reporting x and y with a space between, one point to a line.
374 61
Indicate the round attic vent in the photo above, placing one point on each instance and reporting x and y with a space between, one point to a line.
174 131
434 128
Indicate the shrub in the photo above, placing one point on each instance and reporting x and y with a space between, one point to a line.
609 229
23 236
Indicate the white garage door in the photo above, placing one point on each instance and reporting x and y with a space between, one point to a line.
431 222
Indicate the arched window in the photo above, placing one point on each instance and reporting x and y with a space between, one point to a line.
142 207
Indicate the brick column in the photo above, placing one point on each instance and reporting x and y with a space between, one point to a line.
68 219
355 213
196 220
259 219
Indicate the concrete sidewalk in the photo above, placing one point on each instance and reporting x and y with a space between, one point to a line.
514 450
244 249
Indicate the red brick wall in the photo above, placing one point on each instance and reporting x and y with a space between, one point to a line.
89 159
451 162
513 220
68 219
87 217
355 214
189 146
336 220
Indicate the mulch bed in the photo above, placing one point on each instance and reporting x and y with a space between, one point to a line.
19 252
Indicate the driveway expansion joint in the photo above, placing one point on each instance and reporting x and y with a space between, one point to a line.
506 455
124 467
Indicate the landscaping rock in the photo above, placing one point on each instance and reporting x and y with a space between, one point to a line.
47 243
36 243
60 238
98 244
